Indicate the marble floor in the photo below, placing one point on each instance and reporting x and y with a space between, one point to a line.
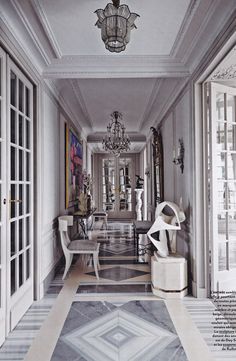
115 317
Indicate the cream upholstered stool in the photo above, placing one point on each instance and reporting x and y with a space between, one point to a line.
77 246
100 215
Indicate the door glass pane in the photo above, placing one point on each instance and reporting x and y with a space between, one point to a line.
13 88
222 190
27 134
21 165
27 232
20 234
13 276
231 136
220 134
20 199
231 166
222 256
21 95
230 108
232 226
21 270
232 255
13 238
27 198
108 185
221 166
27 100
13 163
21 130
13 198
222 226
27 264
13 126
125 200
27 166
232 195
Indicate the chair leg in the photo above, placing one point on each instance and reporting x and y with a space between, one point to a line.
68 258
95 263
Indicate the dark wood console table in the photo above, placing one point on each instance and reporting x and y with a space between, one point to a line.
81 217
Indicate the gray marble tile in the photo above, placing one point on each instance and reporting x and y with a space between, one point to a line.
130 288
141 331
119 273
154 312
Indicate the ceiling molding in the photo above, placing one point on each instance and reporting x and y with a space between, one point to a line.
62 102
184 26
97 137
30 31
112 66
80 99
17 51
198 34
151 101
47 28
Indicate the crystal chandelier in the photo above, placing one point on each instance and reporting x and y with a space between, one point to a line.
116 141
115 21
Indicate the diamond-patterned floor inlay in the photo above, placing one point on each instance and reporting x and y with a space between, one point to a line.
118 273
134 331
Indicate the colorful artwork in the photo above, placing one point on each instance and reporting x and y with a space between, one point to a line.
74 166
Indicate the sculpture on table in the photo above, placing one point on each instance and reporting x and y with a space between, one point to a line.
139 182
163 231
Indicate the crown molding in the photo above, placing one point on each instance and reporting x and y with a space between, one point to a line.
50 86
30 29
17 50
98 137
151 101
47 28
81 102
194 4
114 66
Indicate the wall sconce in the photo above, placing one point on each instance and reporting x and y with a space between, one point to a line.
147 171
179 160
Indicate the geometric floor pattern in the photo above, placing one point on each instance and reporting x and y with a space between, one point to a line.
119 273
102 331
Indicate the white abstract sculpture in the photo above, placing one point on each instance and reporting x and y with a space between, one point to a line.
163 231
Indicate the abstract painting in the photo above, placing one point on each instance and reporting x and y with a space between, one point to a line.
74 167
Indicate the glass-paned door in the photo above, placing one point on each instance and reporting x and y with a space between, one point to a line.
3 250
222 185
117 186
20 191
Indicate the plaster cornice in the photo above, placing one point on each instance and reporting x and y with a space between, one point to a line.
47 28
114 66
80 99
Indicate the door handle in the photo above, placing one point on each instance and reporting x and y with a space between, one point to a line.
15 200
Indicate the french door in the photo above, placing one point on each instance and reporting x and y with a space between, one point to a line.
222 185
117 186
16 264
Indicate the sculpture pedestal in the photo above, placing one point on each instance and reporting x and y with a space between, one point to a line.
138 208
169 276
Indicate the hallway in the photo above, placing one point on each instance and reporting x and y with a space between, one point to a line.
115 318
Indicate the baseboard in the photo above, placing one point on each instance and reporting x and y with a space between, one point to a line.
51 275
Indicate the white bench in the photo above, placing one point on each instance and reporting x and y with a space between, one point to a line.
77 246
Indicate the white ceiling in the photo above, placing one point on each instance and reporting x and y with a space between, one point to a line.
142 82
72 24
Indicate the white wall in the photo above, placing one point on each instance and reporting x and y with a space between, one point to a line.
50 173
176 185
